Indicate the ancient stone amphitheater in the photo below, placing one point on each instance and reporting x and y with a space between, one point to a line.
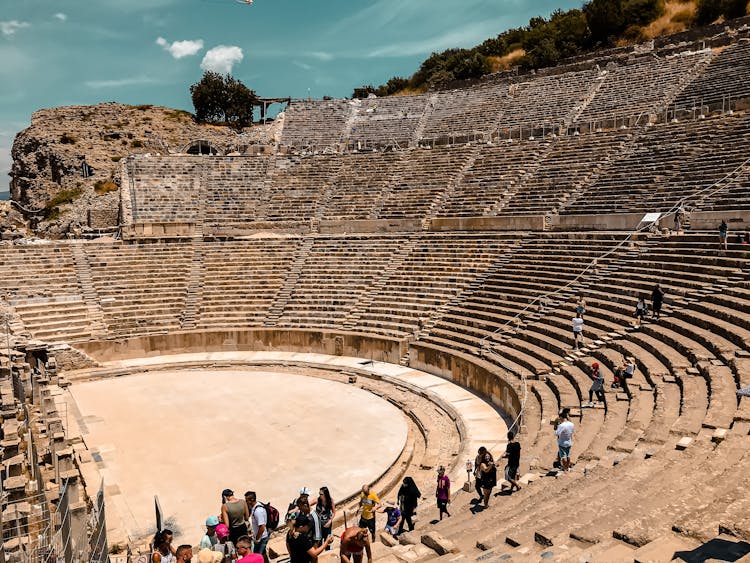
450 233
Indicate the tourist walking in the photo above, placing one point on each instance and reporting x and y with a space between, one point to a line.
564 432
477 476
657 298
577 331
723 232
488 473
161 552
641 309
234 514
258 524
225 547
184 554
513 455
368 504
326 510
299 544
408 498
580 306
393 519
209 539
443 492
245 551
597 385
355 543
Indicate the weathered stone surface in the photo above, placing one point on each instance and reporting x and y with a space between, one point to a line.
388 539
409 538
48 156
665 548
438 543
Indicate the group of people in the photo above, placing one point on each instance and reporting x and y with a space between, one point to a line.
240 532
640 313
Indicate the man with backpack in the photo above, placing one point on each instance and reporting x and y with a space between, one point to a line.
259 524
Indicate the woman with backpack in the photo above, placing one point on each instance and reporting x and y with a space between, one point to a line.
326 510
641 309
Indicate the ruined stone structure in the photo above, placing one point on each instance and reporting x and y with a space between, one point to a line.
460 248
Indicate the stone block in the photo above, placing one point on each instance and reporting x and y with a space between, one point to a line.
684 442
277 547
664 548
388 539
438 543
410 538
622 397
719 435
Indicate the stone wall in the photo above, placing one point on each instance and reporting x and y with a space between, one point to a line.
483 378
334 343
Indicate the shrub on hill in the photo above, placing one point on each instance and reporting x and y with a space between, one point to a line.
546 41
223 100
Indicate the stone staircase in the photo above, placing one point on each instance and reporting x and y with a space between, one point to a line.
450 189
276 310
194 295
88 291
511 191
379 285
590 95
385 194
429 109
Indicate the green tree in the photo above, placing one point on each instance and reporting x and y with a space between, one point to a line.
223 99
605 18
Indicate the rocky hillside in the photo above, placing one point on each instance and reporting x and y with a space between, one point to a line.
66 164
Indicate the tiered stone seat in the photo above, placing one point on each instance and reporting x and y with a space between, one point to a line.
241 280
64 319
315 123
420 178
234 192
335 274
665 164
543 102
639 86
537 266
34 271
386 121
141 288
362 182
462 113
436 270
165 189
570 164
297 186
496 172
724 82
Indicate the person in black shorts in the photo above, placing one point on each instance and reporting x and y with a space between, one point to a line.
513 455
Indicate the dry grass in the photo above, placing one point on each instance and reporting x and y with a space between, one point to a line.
506 61
677 17
411 91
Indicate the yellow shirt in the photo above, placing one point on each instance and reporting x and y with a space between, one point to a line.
368 505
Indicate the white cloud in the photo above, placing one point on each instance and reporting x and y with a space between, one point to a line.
222 58
9 28
321 55
303 66
60 16
121 82
180 49
465 36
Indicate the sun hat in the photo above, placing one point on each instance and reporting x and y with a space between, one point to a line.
212 521
595 365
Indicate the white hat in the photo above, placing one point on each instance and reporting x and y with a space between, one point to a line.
304 491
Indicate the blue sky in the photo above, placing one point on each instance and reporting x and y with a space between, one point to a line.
150 51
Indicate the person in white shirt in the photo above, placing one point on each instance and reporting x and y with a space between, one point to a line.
258 524
577 331
564 433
